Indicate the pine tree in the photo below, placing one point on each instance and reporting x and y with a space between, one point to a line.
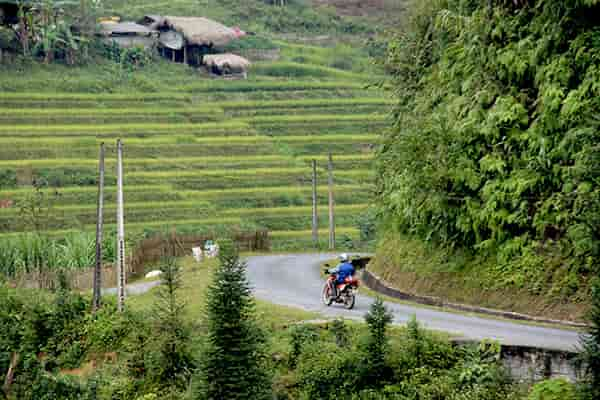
172 358
376 371
590 356
232 366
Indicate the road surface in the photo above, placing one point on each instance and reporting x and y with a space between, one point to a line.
294 280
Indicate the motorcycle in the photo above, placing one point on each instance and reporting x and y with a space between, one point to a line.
346 292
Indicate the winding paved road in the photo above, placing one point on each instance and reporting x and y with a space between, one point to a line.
294 280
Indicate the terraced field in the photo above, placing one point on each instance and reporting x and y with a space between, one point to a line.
203 156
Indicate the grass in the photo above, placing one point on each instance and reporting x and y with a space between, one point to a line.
87 194
120 130
189 91
196 277
238 172
458 277
299 70
305 233
192 213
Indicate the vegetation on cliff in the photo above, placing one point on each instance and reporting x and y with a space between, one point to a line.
495 151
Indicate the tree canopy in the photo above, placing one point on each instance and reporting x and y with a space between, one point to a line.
495 145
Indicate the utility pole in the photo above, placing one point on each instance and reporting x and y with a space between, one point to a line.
315 222
331 204
99 226
121 278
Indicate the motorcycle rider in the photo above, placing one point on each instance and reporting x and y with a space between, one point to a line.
342 271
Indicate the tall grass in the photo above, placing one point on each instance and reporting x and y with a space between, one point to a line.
35 252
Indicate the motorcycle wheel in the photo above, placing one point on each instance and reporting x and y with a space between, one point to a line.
349 301
325 297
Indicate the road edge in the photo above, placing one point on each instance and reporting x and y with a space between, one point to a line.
375 283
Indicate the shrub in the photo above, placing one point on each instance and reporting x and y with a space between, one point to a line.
553 389
301 335
170 359
326 372
375 370
8 39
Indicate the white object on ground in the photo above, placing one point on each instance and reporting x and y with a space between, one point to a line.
197 253
153 274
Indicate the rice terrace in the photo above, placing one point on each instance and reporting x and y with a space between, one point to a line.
200 154
299 199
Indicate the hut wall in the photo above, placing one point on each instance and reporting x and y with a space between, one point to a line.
128 41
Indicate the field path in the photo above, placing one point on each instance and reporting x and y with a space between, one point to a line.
294 280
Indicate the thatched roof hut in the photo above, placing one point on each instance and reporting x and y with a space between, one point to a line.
197 31
226 64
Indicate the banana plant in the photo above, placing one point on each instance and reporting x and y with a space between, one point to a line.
48 39
48 27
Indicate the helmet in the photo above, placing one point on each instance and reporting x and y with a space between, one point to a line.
343 257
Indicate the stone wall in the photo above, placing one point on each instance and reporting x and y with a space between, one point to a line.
530 364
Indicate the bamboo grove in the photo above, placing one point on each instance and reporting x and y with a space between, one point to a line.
495 145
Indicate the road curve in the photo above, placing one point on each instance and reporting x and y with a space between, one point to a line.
294 280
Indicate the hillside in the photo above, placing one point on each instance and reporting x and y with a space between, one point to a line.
201 154
489 185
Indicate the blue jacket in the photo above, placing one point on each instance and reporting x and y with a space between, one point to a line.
343 271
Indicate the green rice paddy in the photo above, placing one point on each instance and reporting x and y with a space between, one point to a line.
204 155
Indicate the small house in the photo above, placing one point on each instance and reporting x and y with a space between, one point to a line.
188 39
128 34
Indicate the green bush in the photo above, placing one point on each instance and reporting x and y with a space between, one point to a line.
553 389
325 372
301 335
8 39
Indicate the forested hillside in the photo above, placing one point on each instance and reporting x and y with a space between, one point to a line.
493 166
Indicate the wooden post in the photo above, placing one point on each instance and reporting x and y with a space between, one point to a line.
99 224
185 55
331 204
10 374
121 278
173 55
315 222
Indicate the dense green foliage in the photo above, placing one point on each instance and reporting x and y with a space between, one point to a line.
233 364
416 365
42 336
495 142
144 353
171 333
376 371
554 389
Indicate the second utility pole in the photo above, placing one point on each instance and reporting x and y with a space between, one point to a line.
315 219
121 278
331 205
